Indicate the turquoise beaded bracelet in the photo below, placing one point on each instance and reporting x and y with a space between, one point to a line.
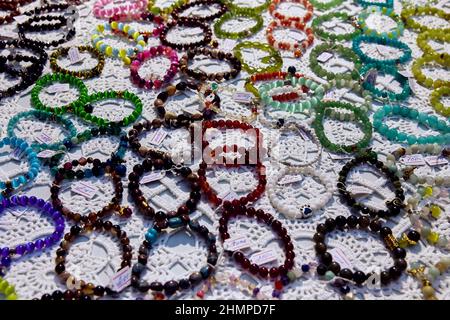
386 4
384 11
393 134
383 41
42 115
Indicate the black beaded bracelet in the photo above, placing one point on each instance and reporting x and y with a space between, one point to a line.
70 295
143 151
207 35
176 14
393 206
327 264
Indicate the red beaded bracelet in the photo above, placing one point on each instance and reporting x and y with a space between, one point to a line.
234 209
276 14
296 47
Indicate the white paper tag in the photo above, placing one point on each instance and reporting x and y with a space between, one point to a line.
436 160
340 257
74 55
121 279
47 153
237 242
42 137
58 87
153 176
359 191
158 137
228 45
324 57
413 160
335 156
406 73
243 97
290 179
263 257
17 153
21 19
84 188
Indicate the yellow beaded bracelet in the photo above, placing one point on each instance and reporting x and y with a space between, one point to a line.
437 105
8 290
424 38
410 23
422 79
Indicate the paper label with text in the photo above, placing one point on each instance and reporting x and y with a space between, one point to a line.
85 189
436 160
17 154
153 176
74 55
263 257
43 137
324 57
243 97
58 87
121 279
237 242
158 137
413 160
47 153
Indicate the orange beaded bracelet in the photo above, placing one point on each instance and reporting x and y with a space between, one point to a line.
276 14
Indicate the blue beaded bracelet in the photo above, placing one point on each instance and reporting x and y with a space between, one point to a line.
384 94
43 115
383 11
393 134
386 4
33 161
383 41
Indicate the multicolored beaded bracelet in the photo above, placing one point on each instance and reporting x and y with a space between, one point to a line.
83 74
434 35
220 33
344 17
344 52
385 4
427 275
330 268
122 8
20 148
407 15
298 48
431 121
234 210
371 158
207 35
141 17
385 95
327 5
267 76
172 286
85 109
167 10
247 9
428 82
7 289
50 79
86 230
177 12
42 116
48 210
396 33
406 50
152 81
277 15
120 29
360 116
273 61
437 105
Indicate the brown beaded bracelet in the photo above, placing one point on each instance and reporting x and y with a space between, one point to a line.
58 295
232 210
83 74
222 9
143 151
12 8
214 54
76 231
114 205
207 35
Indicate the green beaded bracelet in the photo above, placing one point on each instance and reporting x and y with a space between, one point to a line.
164 12
8 290
422 79
435 98
241 34
424 37
383 11
410 23
49 79
344 52
321 33
321 112
42 115
327 5
84 110
273 61
251 10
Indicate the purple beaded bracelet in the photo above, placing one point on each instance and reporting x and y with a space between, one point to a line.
39 244
149 84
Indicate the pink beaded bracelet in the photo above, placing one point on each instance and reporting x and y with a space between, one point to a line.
133 6
148 54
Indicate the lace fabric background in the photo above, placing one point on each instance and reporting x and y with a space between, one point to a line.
96 257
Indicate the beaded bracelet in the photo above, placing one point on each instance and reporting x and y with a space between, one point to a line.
7 289
235 65
176 13
370 158
385 95
67 295
389 12
143 151
344 52
385 4
423 43
418 270
407 15
126 55
327 5
49 79
406 56
150 166
83 74
234 93
431 121
13 10
330 268
141 17
152 81
332 37
42 116
85 230
429 82
267 76
68 172
34 165
437 105
298 48
123 8
84 109
207 35
172 286
273 61
247 10
220 33
167 10
7 253
234 210
277 15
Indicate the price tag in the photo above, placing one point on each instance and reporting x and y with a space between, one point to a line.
74 55
153 176
340 257
324 57
290 179
243 97
84 188
17 154
21 19
158 137
42 137
413 160
237 242
436 160
47 153
58 87
121 279
360 191
263 257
